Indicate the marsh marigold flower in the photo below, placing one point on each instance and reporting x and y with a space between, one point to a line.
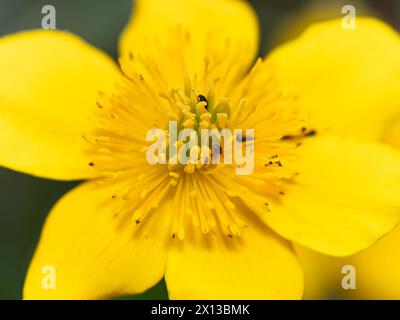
69 113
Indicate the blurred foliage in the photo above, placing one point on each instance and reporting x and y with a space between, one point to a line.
24 200
97 21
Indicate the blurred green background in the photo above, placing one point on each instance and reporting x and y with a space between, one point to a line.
24 200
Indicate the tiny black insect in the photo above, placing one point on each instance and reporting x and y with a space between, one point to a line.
200 97
311 133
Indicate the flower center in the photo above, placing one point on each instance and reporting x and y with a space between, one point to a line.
210 196
198 133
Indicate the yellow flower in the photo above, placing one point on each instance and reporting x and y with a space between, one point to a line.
362 101
210 232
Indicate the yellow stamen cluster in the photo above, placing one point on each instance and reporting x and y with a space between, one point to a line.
195 111
209 196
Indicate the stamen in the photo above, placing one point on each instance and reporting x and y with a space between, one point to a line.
210 196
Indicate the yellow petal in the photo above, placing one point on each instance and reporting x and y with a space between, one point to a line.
346 196
48 85
94 252
378 275
322 274
377 268
348 80
376 271
256 265
392 133
178 35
